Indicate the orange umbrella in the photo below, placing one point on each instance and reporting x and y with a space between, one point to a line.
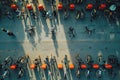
32 66
102 6
89 6
60 6
71 66
14 6
72 6
29 6
83 66
13 67
44 66
60 66
95 66
108 66
40 7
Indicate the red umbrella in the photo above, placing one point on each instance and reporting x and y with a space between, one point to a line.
14 6
13 67
29 6
108 66
83 66
95 66
60 6
72 6
102 6
89 6
40 7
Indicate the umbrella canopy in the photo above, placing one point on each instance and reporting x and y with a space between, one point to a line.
60 6
102 6
14 6
89 6
95 66
72 6
71 66
32 66
60 66
108 66
83 66
112 7
44 66
40 7
29 6
14 66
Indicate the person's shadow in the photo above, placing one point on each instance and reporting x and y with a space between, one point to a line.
55 41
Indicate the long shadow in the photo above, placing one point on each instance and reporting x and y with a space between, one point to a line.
12 46
55 43
84 45
30 23
37 74
44 24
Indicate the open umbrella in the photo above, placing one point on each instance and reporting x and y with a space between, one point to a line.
112 7
71 66
14 6
13 67
29 6
89 6
44 66
108 66
102 6
95 66
83 66
32 66
40 7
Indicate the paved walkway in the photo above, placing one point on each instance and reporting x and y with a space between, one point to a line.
105 39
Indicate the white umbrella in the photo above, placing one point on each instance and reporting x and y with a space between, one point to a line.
112 7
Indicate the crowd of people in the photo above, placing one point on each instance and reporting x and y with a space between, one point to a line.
111 12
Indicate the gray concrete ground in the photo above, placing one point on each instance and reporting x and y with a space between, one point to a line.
105 40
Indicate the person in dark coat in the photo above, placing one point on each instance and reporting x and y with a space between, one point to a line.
9 33
3 29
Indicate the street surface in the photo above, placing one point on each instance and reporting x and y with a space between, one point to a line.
105 40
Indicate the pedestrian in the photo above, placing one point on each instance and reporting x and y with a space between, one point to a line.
44 13
31 31
5 74
78 73
3 29
18 13
71 32
65 75
87 73
9 33
47 62
20 73
88 30
93 14
54 13
52 2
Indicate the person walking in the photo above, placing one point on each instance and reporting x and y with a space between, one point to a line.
3 29
9 33
71 32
